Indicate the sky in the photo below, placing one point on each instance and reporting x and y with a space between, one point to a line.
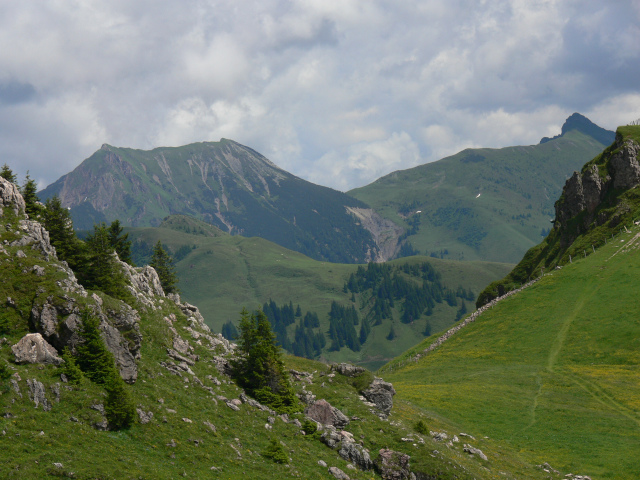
339 92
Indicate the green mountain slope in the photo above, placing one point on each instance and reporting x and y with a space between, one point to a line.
596 203
553 369
220 273
223 183
489 204
191 420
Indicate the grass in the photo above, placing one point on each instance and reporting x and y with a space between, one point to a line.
223 273
552 371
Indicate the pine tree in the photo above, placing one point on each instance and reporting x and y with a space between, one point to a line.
31 200
259 369
103 271
8 174
70 368
120 243
57 221
163 264
392 333
95 360
118 407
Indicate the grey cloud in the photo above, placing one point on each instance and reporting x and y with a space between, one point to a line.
13 92
316 85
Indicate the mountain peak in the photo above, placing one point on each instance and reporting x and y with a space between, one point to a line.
583 124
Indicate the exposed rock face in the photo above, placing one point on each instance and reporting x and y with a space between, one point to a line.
37 394
381 393
34 234
32 348
385 233
584 191
393 465
474 451
10 197
347 369
356 453
322 412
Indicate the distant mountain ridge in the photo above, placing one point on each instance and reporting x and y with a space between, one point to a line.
225 184
586 126
483 203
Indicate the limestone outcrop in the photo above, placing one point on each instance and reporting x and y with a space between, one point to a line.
381 394
32 348
10 197
322 412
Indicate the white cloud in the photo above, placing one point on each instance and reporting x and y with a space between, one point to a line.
325 88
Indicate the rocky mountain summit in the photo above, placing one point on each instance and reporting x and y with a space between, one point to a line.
225 184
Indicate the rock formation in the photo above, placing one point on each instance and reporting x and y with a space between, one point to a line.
32 348
381 393
322 412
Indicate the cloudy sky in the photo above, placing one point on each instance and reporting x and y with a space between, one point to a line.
338 92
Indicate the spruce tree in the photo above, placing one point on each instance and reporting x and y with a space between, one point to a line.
57 221
163 264
31 200
118 407
259 368
120 243
103 271
95 360
8 174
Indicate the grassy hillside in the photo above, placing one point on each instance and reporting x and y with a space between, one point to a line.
222 273
482 203
552 371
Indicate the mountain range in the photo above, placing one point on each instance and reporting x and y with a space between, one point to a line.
480 204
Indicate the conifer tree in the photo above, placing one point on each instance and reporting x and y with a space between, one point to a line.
95 360
70 368
120 243
163 264
103 271
8 174
57 221
259 369
118 407
31 200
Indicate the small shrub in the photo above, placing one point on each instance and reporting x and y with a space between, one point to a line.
309 427
275 452
70 368
421 428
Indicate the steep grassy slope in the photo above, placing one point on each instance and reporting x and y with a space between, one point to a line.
552 371
225 184
489 204
221 273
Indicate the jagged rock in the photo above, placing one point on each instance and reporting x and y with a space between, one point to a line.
321 411
37 394
439 436
474 451
98 407
339 474
393 465
349 450
211 426
306 397
625 166
331 438
32 348
221 364
10 197
34 234
347 369
381 393
15 387
55 389
181 345
144 417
